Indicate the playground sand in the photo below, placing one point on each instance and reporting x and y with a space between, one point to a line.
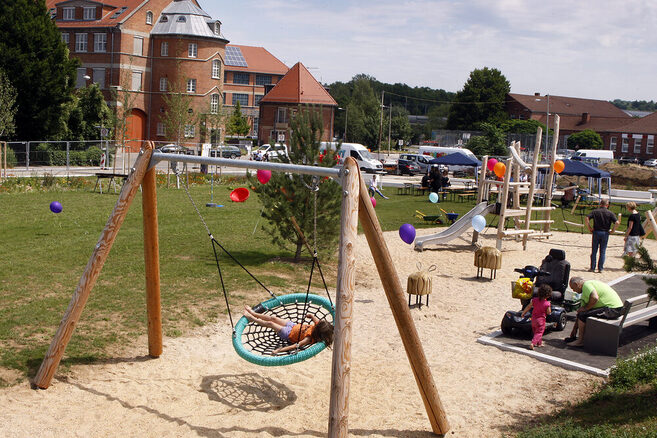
200 387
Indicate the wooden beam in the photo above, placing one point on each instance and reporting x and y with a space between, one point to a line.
397 301
152 263
343 324
92 271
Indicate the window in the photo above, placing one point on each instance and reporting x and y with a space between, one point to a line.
637 143
164 49
214 104
191 85
281 115
80 42
613 143
263 79
80 81
181 19
163 84
136 80
240 78
192 50
190 130
216 69
138 46
99 77
68 14
160 129
217 28
626 144
100 42
164 19
65 38
89 13
242 98
258 98
149 17
650 143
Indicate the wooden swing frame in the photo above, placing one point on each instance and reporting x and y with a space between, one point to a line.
356 205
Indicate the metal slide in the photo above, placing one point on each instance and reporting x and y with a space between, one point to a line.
456 229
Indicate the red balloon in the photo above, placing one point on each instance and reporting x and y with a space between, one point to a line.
499 169
240 194
263 175
491 164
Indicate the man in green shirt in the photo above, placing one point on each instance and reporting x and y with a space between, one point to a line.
598 299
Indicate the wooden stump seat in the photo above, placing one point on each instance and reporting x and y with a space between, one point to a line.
489 258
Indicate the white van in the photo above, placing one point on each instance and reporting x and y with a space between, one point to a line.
268 152
366 162
596 155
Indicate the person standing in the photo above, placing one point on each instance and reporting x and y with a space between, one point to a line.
634 231
603 219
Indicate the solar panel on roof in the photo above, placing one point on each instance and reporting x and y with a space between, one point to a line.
234 57
119 12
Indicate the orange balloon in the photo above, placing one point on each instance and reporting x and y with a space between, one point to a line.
499 169
559 166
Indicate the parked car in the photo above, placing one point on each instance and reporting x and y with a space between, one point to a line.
226 152
628 160
651 162
268 152
175 149
421 160
407 167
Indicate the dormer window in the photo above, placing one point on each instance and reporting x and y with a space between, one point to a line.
164 19
89 13
217 28
68 14
149 17
181 19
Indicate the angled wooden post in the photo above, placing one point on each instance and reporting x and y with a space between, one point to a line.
341 362
152 263
397 301
92 271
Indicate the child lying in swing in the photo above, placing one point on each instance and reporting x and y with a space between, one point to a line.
297 335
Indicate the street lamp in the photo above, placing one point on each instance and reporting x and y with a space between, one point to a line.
346 114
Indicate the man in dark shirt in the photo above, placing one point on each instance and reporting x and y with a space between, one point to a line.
603 219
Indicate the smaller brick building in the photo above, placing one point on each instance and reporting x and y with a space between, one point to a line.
278 106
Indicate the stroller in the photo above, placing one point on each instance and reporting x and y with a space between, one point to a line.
554 271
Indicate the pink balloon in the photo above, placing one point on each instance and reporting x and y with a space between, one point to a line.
373 201
264 176
491 164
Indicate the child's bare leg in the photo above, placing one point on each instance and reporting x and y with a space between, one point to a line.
265 317
255 318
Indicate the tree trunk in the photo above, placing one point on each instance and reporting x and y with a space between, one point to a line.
297 255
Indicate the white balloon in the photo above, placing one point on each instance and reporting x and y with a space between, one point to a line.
478 223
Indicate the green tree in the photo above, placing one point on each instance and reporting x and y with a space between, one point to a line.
397 126
646 265
364 114
516 126
36 61
179 114
586 139
125 102
7 106
290 195
237 123
481 100
491 143
89 112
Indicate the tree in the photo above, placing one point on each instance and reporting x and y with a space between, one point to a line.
398 125
237 123
89 112
364 114
291 195
179 117
7 106
125 102
491 143
516 126
586 139
481 100
36 61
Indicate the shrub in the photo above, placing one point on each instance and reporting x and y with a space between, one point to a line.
633 372
11 158
93 156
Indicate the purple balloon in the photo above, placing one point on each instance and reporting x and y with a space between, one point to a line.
407 233
55 207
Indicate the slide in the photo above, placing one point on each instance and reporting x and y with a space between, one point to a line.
456 229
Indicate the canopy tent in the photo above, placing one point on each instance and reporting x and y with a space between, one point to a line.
456 159
595 176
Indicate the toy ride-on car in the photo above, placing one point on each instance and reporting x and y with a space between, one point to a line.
554 271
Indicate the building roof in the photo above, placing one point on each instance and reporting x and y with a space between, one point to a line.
576 123
568 105
183 17
258 60
644 125
298 86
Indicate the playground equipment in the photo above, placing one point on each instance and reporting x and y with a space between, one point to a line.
356 204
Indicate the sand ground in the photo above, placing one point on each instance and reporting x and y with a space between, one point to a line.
200 387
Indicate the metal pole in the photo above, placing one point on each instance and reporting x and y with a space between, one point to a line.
346 114
389 125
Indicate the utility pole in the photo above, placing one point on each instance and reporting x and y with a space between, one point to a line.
380 123
389 125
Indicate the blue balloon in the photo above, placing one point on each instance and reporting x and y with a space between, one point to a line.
55 207
433 197
407 233
478 223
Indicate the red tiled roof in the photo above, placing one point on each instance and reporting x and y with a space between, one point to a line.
574 123
644 125
569 105
299 86
259 60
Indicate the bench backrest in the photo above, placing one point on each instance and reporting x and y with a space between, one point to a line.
630 194
640 301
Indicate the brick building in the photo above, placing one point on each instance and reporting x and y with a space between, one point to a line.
278 106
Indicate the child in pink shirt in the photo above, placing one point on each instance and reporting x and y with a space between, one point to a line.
540 307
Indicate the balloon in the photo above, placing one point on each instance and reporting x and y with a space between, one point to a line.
499 169
240 194
433 197
559 166
55 207
263 176
478 223
491 164
407 233
373 201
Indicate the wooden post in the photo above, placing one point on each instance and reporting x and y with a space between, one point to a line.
397 301
92 271
2 145
550 176
653 224
503 199
152 263
341 362
532 187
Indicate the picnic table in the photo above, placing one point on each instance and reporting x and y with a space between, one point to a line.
100 176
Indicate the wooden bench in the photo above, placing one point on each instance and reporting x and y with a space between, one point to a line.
602 335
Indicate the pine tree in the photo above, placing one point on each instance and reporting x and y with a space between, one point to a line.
237 123
643 264
7 106
291 195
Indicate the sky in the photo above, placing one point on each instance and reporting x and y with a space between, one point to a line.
595 49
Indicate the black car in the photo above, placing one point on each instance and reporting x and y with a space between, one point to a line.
628 160
226 152
407 167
